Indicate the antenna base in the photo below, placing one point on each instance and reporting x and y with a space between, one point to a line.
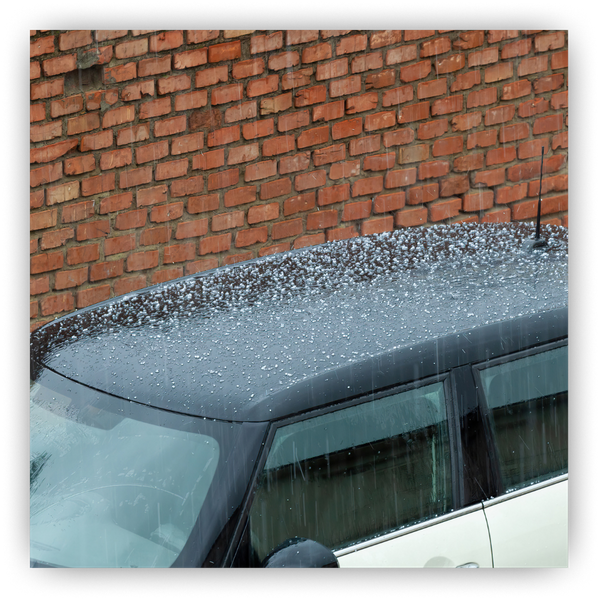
531 244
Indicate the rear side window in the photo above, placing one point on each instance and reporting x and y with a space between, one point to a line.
527 403
348 475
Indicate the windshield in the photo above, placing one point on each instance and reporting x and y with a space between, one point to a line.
113 484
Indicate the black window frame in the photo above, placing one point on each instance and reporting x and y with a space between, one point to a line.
240 544
476 369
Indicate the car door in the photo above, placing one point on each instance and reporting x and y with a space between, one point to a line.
375 480
525 399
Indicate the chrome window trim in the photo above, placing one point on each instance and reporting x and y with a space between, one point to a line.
526 490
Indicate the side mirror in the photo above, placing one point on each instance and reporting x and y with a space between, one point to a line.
301 553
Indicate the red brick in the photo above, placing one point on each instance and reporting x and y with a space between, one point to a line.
163 275
197 204
347 128
437 168
167 40
62 193
311 180
519 48
560 100
207 77
416 71
351 44
170 126
335 68
80 254
291 164
529 108
449 64
328 112
176 83
276 104
240 112
57 303
380 80
190 58
453 186
483 57
273 189
344 170
482 97
129 284
278 145
423 193
131 219
534 64
260 87
82 124
367 186
223 179
93 295
201 35
489 178
481 200
333 194
411 217
389 202
500 114
316 53
343 87
118 116
227 93
400 178
313 137
469 39
510 133
414 153
309 240
248 237
300 203
64 280
380 120
120 244
47 89
171 169
112 160
263 212
77 212
166 212
399 137
500 155
261 170
209 160
465 81
129 135
187 187
285 60
74 39
362 145
94 229
435 47
120 73
59 65
241 154
444 209
558 183
469 162
328 155
356 210
432 129
152 195
559 60
547 124
225 135
296 79
378 225
341 233
240 195
179 253
195 99
37 112
45 132
46 174
417 34
380 162
511 194
141 261
44 45
549 41
39 285
258 129
225 51
155 108
66 106
131 49
498 72
155 235
266 43
115 203
414 112
56 238
293 121
50 261
379 39
189 229
446 146
98 184
321 219
187 143
285 229
248 68
106 270
135 177
313 95
36 199
151 152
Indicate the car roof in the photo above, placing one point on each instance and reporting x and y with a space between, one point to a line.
280 334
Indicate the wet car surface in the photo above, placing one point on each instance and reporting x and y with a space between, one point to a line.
229 357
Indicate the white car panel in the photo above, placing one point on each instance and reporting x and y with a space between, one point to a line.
529 528
455 540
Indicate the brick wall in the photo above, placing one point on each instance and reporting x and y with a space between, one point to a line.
159 154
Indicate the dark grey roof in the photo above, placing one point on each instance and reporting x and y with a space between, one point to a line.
218 343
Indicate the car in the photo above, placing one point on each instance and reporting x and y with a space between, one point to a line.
396 400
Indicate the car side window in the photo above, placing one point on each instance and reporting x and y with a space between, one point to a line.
527 405
355 473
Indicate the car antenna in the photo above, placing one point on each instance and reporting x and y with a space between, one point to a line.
538 241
